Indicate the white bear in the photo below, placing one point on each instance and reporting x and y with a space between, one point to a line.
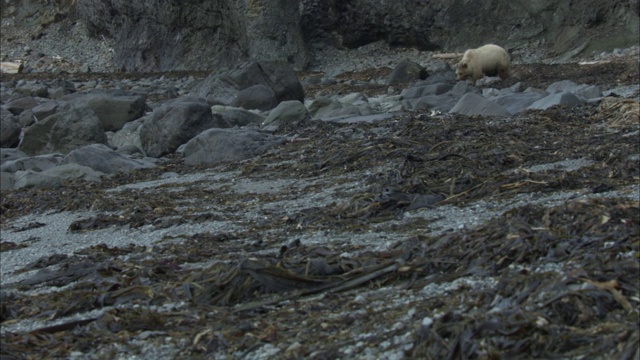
487 60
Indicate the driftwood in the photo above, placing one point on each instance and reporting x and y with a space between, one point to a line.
11 67
448 56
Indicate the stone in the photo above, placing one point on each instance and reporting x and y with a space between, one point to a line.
177 122
237 116
424 90
557 98
113 110
36 163
407 71
220 145
103 159
75 128
222 87
259 97
28 179
287 112
74 171
474 104
518 102
9 129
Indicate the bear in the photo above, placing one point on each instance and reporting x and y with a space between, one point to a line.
487 60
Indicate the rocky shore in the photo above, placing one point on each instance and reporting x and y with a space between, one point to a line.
348 212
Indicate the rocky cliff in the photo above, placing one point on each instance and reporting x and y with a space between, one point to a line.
154 35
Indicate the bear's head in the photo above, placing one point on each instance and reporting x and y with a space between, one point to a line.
462 72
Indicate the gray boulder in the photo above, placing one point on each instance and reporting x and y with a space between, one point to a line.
442 102
34 89
558 98
322 105
237 116
223 87
474 104
259 97
74 171
45 109
6 180
175 123
518 102
27 179
287 112
101 158
407 71
424 90
63 132
21 104
9 129
220 145
9 154
129 135
113 110
36 163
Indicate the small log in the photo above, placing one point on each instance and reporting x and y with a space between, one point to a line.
11 67
447 56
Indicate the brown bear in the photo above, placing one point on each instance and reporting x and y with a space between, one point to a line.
487 60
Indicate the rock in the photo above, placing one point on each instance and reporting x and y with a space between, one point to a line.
33 89
60 88
175 123
259 97
21 104
45 109
287 112
7 154
73 171
517 102
442 102
157 35
25 179
9 129
113 110
223 87
424 90
474 104
558 98
564 85
101 158
322 105
32 163
129 135
237 116
63 132
463 87
6 180
354 98
588 92
220 145
407 71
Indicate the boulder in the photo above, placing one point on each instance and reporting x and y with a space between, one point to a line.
557 98
287 112
9 129
474 104
113 110
223 87
259 97
101 158
221 145
175 123
63 132
407 71
36 163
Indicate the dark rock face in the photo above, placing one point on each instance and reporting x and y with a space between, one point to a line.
459 24
156 35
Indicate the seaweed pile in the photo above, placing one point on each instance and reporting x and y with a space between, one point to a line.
546 277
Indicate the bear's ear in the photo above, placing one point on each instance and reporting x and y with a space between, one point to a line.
463 65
